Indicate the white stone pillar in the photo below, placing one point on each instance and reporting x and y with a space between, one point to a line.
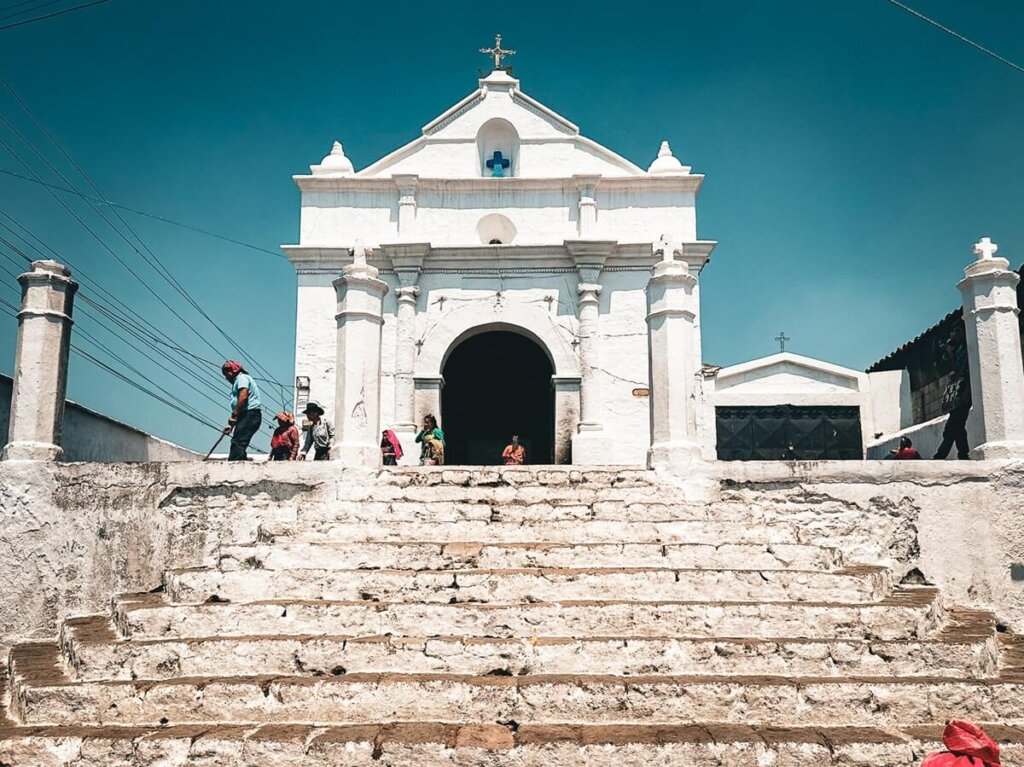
357 401
590 444
989 291
671 339
41 363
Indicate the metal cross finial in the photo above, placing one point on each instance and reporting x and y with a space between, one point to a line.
985 249
498 52
782 338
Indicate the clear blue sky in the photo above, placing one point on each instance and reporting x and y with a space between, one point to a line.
853 153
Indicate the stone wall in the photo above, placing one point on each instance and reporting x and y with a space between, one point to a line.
73 535
91 436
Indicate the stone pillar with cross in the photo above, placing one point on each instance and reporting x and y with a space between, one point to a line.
672 348
357 401
41 363
989 290
499 53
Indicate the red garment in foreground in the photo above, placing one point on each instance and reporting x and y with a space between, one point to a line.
968 746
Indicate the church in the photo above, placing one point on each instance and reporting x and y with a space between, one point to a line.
513 256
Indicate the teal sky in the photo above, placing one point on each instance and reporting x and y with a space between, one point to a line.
853 153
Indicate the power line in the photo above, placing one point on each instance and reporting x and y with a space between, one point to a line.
153 260
957 35
29 10
154 216
107 247
51 15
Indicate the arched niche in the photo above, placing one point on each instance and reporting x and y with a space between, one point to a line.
458 325
496 229
498 135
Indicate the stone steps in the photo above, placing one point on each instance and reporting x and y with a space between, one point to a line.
711 532
863 584
93 653
42 694
291 555
432 744
907 613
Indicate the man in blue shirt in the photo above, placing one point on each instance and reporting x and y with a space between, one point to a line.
246 415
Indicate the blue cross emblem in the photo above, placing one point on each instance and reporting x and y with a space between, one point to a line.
497 165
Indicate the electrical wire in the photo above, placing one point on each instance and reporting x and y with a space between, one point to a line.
30 10
957 35
153 216
153 260
51 15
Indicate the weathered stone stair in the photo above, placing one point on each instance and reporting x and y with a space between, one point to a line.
517 617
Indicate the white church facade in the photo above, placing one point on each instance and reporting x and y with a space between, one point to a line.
516 255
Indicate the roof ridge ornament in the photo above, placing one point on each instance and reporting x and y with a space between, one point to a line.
498 52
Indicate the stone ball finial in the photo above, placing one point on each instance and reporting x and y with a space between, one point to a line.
334 164
666 163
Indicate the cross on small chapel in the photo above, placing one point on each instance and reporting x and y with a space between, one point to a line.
497 164
985 249
498 52
782 338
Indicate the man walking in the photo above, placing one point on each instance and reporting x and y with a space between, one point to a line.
246 416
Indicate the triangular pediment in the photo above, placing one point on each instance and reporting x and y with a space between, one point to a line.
546 145
787 373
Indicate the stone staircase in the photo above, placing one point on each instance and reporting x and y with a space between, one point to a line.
522 617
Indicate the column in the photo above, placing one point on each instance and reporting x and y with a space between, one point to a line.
590 444
671 341
357 400
41 363
989 290
567 416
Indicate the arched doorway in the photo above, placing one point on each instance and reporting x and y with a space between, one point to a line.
496 384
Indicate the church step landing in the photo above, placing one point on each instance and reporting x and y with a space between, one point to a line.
291 555
906 614
432 744
711 532
92 651
655 506
42 696
863 584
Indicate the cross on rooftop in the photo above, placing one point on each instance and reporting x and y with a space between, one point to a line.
985 249
498 52
782 338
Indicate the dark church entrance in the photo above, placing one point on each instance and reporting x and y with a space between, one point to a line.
789 433
497 384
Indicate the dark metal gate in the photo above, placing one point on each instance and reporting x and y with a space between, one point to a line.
789 433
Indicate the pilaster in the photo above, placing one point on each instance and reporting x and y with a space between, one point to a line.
587 212
406 205
41 363
360 319
590 444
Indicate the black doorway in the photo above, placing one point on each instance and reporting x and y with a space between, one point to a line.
497 384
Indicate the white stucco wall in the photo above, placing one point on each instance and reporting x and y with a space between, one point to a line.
91 436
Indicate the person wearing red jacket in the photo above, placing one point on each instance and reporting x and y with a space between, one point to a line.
284 445
905 452
967 746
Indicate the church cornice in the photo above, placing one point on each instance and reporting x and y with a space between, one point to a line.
688 183
489 259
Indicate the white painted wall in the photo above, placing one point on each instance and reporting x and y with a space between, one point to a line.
91 436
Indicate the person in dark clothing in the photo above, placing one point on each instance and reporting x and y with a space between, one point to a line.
956 400
246 416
